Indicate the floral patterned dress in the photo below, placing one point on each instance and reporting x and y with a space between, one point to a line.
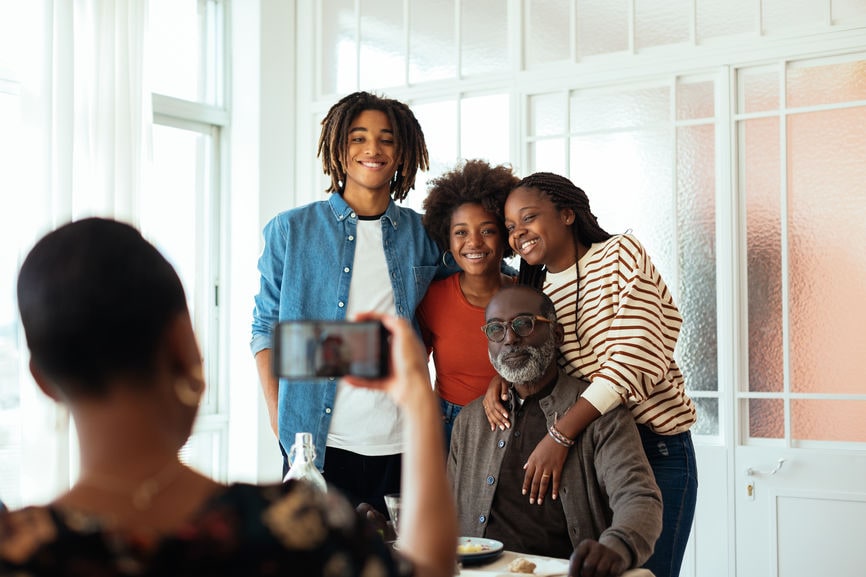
243 530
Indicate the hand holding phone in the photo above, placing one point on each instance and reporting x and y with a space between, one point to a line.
408 379
309 350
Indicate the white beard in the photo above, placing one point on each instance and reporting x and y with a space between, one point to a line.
532 370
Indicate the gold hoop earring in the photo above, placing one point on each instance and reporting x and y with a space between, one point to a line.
189 391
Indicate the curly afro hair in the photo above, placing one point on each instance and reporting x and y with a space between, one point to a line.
473 181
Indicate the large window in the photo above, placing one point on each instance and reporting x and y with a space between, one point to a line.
592 89
181 209
386 45
24 178
162 173
726 136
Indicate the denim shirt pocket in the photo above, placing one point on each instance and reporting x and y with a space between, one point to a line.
423 277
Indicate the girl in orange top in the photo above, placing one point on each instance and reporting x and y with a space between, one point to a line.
461 216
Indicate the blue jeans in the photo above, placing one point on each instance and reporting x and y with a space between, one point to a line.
449 413
672 458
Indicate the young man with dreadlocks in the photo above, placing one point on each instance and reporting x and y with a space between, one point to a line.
621 327
356 251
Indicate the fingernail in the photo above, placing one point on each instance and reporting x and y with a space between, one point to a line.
531 501
553 496
501 427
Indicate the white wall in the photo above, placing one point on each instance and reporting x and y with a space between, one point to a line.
262 104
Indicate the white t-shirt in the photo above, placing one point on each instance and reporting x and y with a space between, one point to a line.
364 421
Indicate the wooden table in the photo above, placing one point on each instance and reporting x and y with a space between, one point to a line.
545 567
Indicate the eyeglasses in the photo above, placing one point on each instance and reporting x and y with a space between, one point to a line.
522 325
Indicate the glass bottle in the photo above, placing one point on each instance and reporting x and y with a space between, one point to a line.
302 457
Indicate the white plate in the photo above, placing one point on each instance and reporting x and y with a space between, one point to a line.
547 567
544 566
490 549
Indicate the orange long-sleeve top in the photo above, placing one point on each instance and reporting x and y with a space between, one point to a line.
451 327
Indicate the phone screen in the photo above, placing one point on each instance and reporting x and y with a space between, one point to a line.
306 350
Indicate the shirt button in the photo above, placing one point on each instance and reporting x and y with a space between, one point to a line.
341 304
353 215
501 443
346 269
328 410
490 480
516 433
351 237
482 519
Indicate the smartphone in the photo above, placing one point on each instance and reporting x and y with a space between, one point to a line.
308 350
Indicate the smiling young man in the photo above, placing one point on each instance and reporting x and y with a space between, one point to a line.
355 252
608 513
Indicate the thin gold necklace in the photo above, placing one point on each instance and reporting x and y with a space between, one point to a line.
141 495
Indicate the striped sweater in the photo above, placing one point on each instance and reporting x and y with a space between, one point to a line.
628 326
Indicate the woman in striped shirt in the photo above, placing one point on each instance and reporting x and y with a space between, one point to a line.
621 328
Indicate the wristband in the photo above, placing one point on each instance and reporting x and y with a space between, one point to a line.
557 436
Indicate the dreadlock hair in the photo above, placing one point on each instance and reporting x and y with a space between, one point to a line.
411 149
472 182
564 194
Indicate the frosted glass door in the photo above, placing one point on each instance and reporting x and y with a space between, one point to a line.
801 459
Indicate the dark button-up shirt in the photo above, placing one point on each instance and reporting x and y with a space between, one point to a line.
509 514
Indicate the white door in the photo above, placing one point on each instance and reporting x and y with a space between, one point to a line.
806 519
800 463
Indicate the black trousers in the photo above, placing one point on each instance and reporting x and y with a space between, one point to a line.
363 479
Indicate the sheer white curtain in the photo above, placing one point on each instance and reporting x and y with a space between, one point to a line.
111 107
84 128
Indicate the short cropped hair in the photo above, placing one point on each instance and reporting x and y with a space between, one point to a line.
476 182
547 309
411 148
96 299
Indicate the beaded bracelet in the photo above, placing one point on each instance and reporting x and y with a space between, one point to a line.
557 436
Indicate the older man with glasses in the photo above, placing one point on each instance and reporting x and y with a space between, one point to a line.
608 513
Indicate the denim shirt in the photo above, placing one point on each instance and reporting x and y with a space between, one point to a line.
306 269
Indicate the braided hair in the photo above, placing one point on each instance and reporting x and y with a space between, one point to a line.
473 182
564 195
411 148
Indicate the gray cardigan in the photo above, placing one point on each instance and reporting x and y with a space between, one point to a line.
608 490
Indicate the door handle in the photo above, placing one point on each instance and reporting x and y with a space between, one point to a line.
758 473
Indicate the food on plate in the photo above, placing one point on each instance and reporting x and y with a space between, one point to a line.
521 565
469 547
